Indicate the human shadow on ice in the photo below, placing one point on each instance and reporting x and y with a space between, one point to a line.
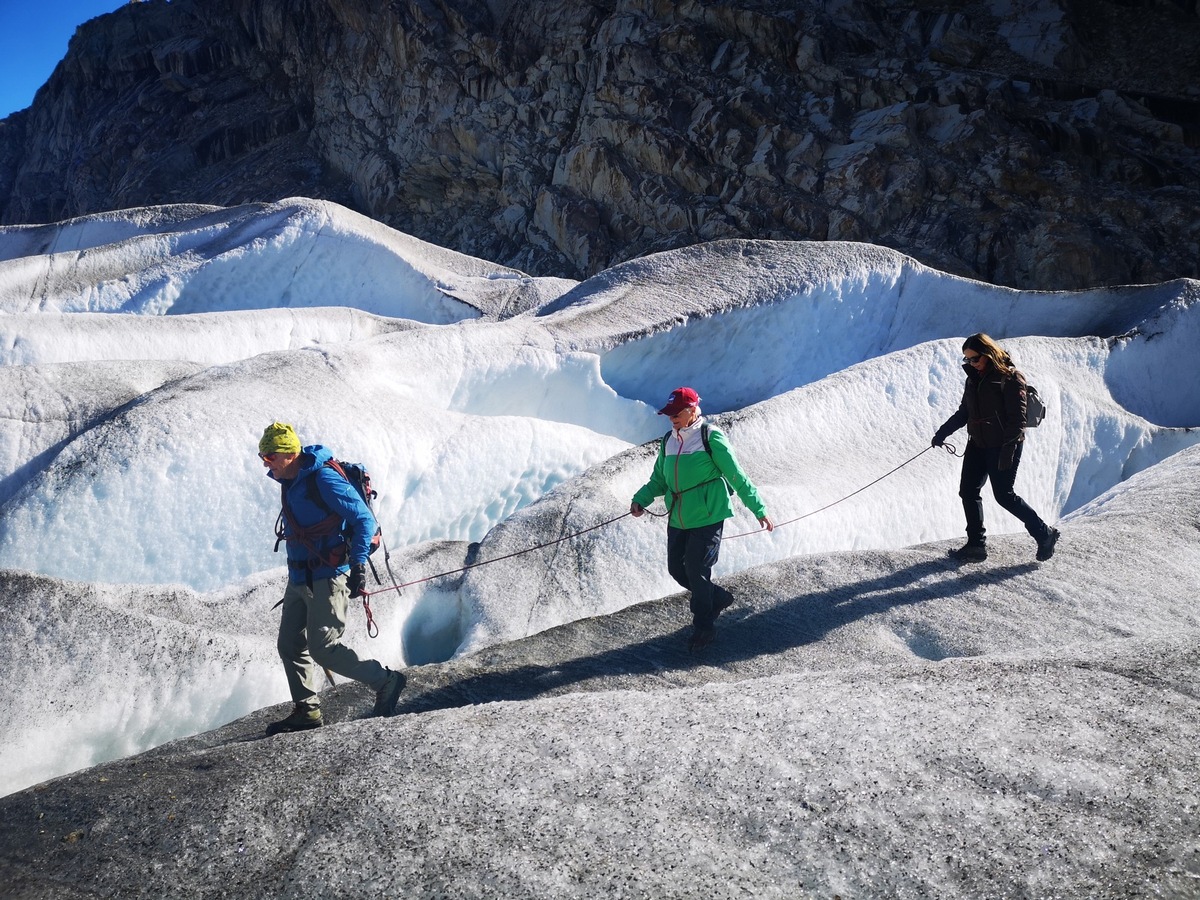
756 638
770 630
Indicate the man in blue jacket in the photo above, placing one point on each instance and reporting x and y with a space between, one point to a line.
328 528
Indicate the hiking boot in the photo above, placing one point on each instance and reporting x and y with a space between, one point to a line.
386 696
722 603
970 552
302 718
1046 545
702 636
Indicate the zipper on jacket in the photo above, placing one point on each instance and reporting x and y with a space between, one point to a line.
678 493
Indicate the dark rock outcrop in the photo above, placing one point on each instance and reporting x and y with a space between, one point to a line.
1048 144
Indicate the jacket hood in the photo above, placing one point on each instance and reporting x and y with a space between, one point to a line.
313 457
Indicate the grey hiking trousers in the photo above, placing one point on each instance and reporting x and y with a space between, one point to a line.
310 637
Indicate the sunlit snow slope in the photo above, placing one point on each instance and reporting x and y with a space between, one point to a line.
145 351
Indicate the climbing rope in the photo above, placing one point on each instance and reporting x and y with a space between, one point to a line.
949 448
488 562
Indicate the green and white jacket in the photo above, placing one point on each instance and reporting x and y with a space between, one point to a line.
696 484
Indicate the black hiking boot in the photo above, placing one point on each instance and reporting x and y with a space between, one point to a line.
722 603
302 718
702 636
1046 545
386 696
971 551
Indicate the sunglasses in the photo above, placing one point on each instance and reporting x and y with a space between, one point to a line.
971 360
269 457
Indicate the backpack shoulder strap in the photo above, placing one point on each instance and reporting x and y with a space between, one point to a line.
708 450
306 536
314 493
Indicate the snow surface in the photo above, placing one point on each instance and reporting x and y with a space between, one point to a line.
145 351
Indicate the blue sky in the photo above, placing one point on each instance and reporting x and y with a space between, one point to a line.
33 38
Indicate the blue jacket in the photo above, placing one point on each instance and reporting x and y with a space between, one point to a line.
336 496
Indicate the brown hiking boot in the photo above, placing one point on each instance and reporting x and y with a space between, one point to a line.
302 718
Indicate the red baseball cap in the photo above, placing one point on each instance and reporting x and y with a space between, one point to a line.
681 399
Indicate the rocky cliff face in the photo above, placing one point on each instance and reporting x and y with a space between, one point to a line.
1035 143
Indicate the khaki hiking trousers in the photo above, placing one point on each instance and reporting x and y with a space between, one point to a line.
310 638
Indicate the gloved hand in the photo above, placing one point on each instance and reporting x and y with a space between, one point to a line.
938 441
357 580
1007 452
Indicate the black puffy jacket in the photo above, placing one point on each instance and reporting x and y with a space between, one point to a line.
992 408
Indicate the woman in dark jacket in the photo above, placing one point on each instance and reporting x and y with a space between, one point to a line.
993 409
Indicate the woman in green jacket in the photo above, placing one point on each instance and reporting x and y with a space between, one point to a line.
697 471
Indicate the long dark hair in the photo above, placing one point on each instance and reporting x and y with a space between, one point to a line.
985 346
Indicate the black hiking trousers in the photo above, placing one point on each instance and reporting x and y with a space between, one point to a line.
981 464
691 555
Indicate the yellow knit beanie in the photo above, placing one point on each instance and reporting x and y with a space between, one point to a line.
279 438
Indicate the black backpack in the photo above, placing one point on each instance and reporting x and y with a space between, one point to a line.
1035 409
